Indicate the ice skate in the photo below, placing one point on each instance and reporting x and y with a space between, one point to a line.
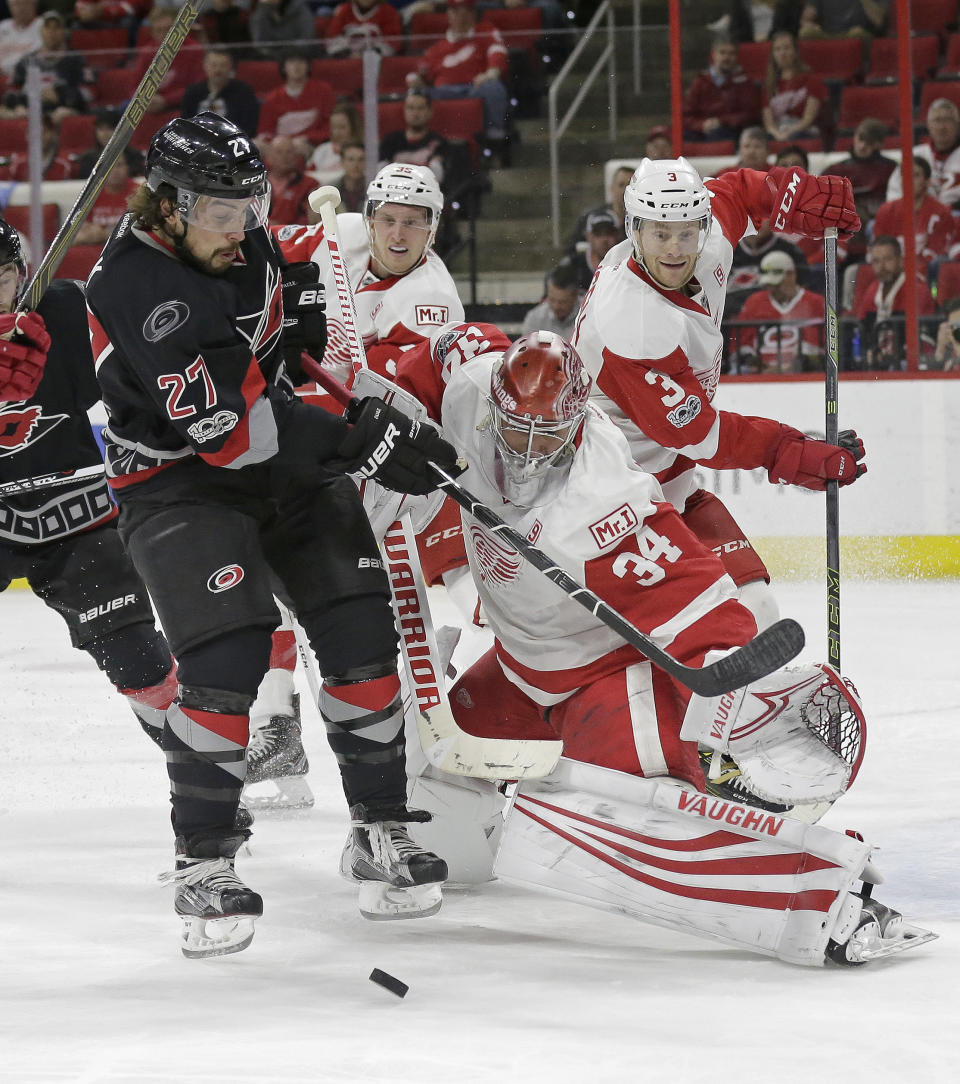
217 908
277 764
879 931
398 879
728 783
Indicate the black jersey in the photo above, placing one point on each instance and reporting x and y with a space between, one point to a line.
51 432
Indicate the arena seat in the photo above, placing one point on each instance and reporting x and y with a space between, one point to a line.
924 52
948 281
938 88
857 103
115 85
754 56
78 262
19 218
835 61
106 47
393 75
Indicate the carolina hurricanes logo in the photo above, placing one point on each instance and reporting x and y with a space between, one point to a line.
498 564
21 426
224 578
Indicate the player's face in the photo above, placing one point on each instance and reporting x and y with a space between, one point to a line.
540 444
9 281
669 251
399 236
212 252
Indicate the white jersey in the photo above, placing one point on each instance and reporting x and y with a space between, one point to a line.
944 175
393 313
654 354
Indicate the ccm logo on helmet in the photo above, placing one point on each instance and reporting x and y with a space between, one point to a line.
224 578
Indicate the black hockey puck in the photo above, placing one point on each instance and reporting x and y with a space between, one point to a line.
388 982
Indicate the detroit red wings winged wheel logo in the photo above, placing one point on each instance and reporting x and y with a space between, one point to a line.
498 563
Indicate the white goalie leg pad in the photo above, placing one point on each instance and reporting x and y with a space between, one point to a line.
797 735
684 860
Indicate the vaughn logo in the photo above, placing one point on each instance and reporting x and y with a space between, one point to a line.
433 314
21 426
224 578
165 319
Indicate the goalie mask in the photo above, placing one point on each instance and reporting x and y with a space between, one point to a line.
13 266
668 219
219 176
402 214
538 399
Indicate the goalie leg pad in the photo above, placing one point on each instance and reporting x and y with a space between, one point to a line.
684 860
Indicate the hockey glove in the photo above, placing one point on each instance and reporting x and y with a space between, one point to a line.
24 343
807 205
800 461
304 316
393 449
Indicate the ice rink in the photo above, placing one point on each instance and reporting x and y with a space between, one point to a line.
504 985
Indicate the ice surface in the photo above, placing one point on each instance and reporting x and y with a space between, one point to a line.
504 985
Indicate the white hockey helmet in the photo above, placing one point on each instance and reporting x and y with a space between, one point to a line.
666 190
415 186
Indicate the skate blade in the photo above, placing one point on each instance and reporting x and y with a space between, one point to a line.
286 793
203 937
908 937
381 902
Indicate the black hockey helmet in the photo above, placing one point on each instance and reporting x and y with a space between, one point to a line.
207 155
11 251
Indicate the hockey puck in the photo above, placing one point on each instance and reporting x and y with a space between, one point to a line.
388 982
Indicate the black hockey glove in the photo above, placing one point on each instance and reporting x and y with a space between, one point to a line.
304 316
393 449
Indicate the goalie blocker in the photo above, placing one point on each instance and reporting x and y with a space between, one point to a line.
669 855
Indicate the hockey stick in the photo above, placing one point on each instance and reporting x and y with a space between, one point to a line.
45 481
766 652
115 146
831 373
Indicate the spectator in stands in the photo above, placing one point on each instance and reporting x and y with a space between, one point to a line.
365 24
758 20
289 185
768 346
748 259
867 169
225 23
723 100
99 13
843 18
415 143
793 97
19 35
618 185
300 108
105 120
558 310
352 183
792 155
222 93
186 68
110 205
659 144
881 335
933 222
753 151
602 232
345 127
64 78
468 63
277 23
946 354
56 167
942 151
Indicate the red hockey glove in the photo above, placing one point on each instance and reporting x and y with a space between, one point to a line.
24 343
801 461
807 205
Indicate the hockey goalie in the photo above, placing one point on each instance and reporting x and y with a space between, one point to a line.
624 820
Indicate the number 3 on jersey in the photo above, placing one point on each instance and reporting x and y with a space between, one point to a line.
643 566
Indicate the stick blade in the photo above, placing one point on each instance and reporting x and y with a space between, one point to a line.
766 652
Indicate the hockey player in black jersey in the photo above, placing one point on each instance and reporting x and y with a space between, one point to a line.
224 477
63 539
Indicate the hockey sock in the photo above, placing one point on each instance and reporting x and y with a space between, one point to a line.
365 731
151 703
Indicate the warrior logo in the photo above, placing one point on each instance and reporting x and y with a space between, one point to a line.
211 428
686 412
21 426
224 578
498 564
165 319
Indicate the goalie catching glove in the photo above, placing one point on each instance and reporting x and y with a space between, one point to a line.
24 343
393 449
802 461
809 205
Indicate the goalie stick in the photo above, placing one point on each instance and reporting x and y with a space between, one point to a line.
45 481
766 652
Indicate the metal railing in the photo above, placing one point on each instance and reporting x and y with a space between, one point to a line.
559 125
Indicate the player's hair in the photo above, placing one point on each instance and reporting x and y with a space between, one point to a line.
887 239
144 204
